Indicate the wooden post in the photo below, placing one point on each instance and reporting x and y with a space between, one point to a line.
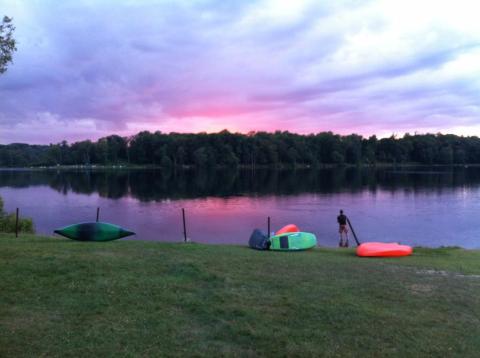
16 224
184 226
98 213
268 227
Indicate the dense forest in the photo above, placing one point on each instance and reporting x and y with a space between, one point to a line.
258 149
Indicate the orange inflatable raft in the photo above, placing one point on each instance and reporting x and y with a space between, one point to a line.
382 249
288 228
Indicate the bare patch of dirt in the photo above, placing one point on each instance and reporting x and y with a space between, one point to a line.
421 288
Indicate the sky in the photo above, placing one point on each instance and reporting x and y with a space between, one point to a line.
85 69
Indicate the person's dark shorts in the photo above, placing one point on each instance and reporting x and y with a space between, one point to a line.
343 229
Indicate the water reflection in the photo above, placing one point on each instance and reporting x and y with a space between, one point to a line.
418 206
156 185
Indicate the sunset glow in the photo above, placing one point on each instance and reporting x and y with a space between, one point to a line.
89 69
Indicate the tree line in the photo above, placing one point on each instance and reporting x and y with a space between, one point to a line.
256 149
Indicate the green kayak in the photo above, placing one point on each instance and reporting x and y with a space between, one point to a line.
293 241
93 231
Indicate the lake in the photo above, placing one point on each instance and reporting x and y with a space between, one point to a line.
417 206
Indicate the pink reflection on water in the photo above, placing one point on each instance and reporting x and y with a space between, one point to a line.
428 219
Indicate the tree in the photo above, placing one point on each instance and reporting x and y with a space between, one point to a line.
292 156
7 43
83 152
180 157
369 147
459 156
142 148
116 149
54 154
200 157
227 157
101 151
162 158
445 155
337 157
353 146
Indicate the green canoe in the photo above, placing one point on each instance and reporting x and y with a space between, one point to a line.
293 241
94 231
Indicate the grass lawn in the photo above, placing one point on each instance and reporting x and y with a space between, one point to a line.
128 298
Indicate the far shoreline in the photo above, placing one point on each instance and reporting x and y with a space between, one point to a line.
239 167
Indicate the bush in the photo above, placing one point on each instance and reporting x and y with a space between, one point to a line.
7 222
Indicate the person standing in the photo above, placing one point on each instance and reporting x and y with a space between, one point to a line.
342 229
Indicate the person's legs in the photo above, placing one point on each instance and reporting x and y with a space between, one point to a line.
343 238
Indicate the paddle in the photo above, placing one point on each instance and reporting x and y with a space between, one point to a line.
353 232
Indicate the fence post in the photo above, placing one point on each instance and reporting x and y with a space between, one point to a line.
16 223
268 227
98 213
184 226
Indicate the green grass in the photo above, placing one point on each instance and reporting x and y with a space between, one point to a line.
128 298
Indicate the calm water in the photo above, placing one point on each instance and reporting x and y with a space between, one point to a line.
428 207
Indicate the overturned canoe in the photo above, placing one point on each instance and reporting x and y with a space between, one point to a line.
293 241
94 231
382 249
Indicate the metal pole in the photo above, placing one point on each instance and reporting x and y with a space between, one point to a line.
184 226
16 224
98 214
268 227
353 231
